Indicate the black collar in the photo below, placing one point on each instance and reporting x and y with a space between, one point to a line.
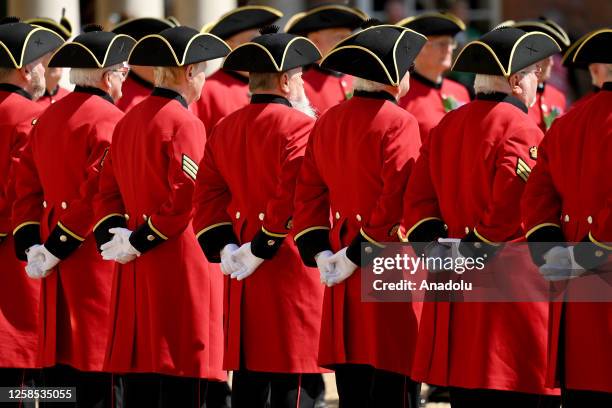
425 81
607 86
15 89
376 95
53 92
269 98
170 94
235 75
140 80
502 97
94 91
595 89
325 71
541 87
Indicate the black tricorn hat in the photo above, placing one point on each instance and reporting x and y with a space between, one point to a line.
546 26
63 27
177 47
594 48
242 19
93 49
434 24
568 56
139 27
22 43
326 16
505 51
380 53
272 52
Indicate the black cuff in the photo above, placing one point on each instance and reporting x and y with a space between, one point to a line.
213 240
265 245
473 247
145 238
370 250
590 255
311 243
101 229
62 242
24 238
544 239
428 231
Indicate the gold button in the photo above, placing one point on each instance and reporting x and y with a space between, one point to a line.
63 238
237 215
477 245
64 205
271 242
590 219
445 227
343 83
150 237
566 218
367 250
144 217
261 216
467 230
44 204
52 100
127 216
337 215
358 217
599 253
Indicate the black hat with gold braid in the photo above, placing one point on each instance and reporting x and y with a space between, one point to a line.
434 24
139 27
594 48
505 51
63 27
546 26
93 49
22 43
272 52
242 19
177 47
325 16
380 52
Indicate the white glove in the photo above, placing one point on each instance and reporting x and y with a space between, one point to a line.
442 249
325 268
119 248
560 264
228 266
247 262
342 267
40 262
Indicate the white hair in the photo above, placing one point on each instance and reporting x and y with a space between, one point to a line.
90 76
360 84
167 76
488 84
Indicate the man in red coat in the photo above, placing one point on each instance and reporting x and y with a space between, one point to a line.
139 83
22 80
164 332
550 101
325 26
559 209
431 95
56 198
357 162
466 185
265 276
227 91
53 91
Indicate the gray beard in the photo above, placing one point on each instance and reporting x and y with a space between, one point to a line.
303 105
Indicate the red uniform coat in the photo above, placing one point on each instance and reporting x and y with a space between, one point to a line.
51 97
19 294
253 202
133 91
224 93
325 88
161 319
467 184
358 159
550 104
429 101
56 181
560 205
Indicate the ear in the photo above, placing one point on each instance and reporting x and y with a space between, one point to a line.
190 72
284 82
513 81
106 79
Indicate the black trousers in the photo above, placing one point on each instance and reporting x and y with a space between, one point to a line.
580 399
218 395
363 386
161 391
254 389
93 389
17 378
483 398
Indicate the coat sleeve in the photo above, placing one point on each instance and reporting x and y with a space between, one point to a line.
278 215
211 222
27 205
400 150
184 151
77 221
311 206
